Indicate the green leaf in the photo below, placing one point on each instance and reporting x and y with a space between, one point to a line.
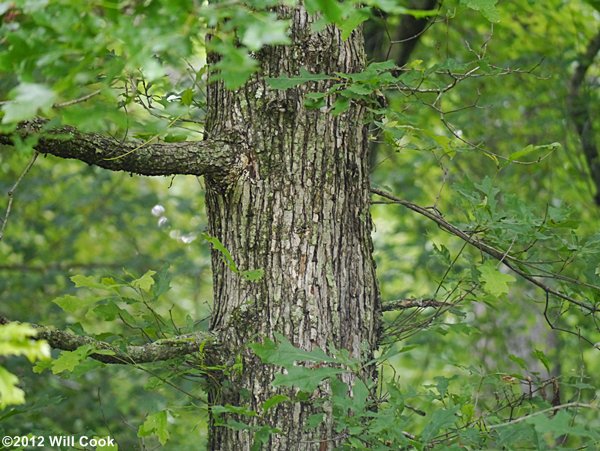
303 378
519 361
175 137
261 437
353 20
10 394
315 100
235 66
155 424
17 339
519 154
114 447
218 246
486 7
237 425
163 282
560 424
72 304
314 420
267 32
68 360
253 275
29 98
285 354
108 311
516 434
341 105
542 358
360 394
82 281
439 420
360 89
494 282
330 9
290 82
273 401
442 384
145 282
236 410
187 97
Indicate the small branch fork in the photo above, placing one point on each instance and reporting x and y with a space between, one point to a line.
160 350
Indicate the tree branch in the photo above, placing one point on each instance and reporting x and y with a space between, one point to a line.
502 256
165 349
542 412
11 193
404 304
579 110
210 157
58 266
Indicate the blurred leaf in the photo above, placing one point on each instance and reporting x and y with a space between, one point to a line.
486 7
290 82
495 282
68 360
145 282
305 379
29 98
155 424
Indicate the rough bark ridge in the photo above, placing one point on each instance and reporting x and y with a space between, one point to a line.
300 211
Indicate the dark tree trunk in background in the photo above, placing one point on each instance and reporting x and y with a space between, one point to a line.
299 210
385 41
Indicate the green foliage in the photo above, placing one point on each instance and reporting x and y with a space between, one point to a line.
494 282
28 99
369 419
155 424
18 340
487 8
474 128
251 275
290 82
69 360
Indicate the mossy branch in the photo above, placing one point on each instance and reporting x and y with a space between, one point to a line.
212 157
160 350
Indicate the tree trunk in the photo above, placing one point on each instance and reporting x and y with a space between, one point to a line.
299 210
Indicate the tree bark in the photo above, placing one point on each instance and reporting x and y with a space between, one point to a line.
299 210
579 109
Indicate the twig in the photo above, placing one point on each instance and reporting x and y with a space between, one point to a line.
541 412
403 304
78 100
11 193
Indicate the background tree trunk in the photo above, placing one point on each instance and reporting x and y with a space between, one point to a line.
299 210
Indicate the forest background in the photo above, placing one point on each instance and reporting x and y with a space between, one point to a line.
485 201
